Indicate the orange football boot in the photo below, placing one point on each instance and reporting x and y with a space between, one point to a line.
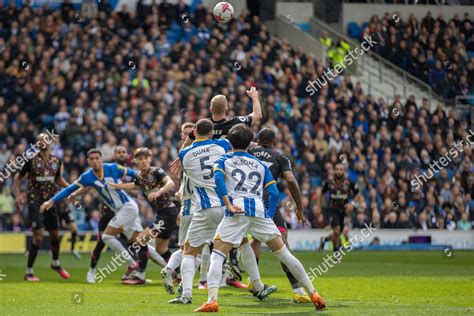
318 301
208 307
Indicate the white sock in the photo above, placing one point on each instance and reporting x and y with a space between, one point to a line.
114 244
250 264
212 294
214 274
205 261
296 268
156 256
175 260
92 270
29 270
197 262
187 275
56 263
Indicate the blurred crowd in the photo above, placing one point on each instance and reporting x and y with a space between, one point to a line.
133 79
435 50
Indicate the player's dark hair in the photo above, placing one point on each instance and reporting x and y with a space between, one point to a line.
142 152
240 136
266 136
204 127
94 151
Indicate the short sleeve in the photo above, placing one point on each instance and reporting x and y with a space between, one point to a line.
25 169
219 165
122 172
285 163
160 174
58 172
247 120
82 181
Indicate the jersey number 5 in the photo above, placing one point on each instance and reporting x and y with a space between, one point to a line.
204 167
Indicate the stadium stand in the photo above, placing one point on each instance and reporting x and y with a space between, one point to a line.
121 78
436 50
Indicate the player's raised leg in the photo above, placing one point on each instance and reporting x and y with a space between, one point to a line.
54 246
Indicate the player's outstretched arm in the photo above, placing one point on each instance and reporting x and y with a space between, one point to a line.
256 107
296 195
61 195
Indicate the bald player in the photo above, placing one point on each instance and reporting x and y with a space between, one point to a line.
222 125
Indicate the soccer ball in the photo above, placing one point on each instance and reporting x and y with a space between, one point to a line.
223 12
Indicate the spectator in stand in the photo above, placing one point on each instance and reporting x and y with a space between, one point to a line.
127 79
435 50
463 223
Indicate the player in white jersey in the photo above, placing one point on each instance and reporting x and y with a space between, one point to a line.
197 161
185 216
240 179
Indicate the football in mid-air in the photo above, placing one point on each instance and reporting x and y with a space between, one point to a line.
223 12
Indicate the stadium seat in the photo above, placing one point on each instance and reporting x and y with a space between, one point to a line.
353 30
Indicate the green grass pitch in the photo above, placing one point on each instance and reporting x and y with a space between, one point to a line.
364 283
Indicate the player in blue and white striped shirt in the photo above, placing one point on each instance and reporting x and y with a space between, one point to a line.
126 217
240 179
